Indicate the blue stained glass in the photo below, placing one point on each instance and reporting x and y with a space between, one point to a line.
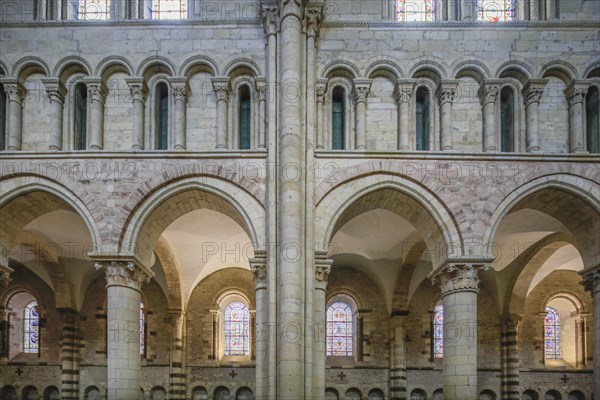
339 329
142 329
237 320
438 332
552 334
496 10
31 342
415 10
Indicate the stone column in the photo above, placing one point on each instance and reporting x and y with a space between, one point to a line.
398 357
580 331
452 10
510 357
124 280
4 330
534 10
362 87
97 92
70 355
446 94
404 91
258 266
221 88
459 283
290 189
321 90
322 270
56 94
532 93
261 90
488 94
139 91
180 91
177 377
15 93
575 93
591 282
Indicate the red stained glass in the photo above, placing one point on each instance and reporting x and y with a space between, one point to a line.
415 10
31 343
339 329
237 320
438 332
552 334
496 10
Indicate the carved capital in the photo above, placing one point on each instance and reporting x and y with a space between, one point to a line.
15 91
362 87
55 90
258 266
488 92
270 17
5 276
313 15
137 88
459 277
180 88
321 89
446 92
591 280
511 322
404 90
291 8
123 273
221 88
260 82
533 90
97 90
576 92
322 268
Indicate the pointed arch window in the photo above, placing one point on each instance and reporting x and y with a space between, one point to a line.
169 9
80 117
162 116
415 10
244 118
438 331
339 329
31 328
496 10
422 119
507 112
93 10
3 106
142 329
592 119
237 329
338 116
552 334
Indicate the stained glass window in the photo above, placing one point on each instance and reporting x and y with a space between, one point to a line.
142 329
93 10
496 10
169 9
339 329
31 328
338 115
245 118
415 10
438 332
237 320
552 334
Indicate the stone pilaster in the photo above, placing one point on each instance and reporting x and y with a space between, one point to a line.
591 283
70 354
322 270
575 94
97 92
321 93
124 279
180 89
56 92
398 357
258 266
532 93
510 357
459 282
221 87
362 87
446 94
15 93
404 91
177 377
138 91
488 95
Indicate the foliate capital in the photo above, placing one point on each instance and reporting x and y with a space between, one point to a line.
404 90
258 266
97 90
313 15
261 87
322 267
362 87
459 277
446 91
15 91
221 88
320 89
270 17
55 89
591 279
577 91
488 92
137 88
123 273
533 90
180 88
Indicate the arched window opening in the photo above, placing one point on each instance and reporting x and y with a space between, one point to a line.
93 10
576 395
92 393
51 393
162 116
553 395
331 394
353 393
339 329
529 395
507 104
244 393
338 116
31 329
438 331
244 118
422 119
237 329
3 107
438 394
487 395
80 117
415 10
592 119
9 393
221 393
30 393
552 342
376 394
158 393
496 10
142 330
169 9
199 393
418 394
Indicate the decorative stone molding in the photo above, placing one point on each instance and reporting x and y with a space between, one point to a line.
180 88
446 91
488 92
321 89
322 267
576 92
55 89
97 90
137 88
313 16
591 280
258 266
260 82
404 90
270 17
533 90
123 273
458 276
362 87
221 88
15 91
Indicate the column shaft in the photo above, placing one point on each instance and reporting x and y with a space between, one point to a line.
261 89
15 94
321 117
361 93
510 358
534 10
576 95
446 94
591 282
96 95
398 360
180 91
70 355
532 93
404 91
258 265
488 93
221 88
177 377
138 91
322 270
